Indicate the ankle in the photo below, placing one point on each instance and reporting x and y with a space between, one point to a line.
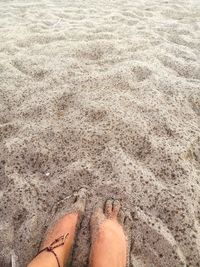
46 259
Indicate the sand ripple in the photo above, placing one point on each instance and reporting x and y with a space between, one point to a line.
105 95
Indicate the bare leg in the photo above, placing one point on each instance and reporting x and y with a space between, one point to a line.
66 224
109 245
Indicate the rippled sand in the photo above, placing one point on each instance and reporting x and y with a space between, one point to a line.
103 95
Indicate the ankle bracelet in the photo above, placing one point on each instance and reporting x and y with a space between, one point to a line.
53 245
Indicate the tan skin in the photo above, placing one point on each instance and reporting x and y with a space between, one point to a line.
109 246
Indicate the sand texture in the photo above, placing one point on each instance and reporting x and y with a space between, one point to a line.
103 95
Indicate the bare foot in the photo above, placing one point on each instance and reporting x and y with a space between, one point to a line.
109 244
66 225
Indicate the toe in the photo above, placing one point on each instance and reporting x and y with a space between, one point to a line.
82 193
80 201
127 221
98 211
108 208
121 217
97 215
116 207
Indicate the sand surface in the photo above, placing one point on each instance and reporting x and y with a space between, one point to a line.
103 95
